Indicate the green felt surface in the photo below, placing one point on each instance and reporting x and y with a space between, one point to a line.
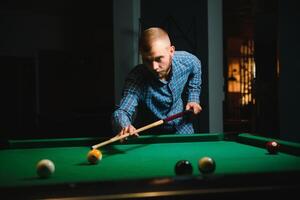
139 161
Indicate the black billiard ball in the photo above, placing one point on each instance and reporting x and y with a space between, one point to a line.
206 165
272 147
183 167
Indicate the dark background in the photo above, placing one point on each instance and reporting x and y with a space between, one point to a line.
57 63
57 67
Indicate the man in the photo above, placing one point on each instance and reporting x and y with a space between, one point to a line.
167 83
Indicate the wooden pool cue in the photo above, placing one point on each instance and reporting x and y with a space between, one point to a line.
154 124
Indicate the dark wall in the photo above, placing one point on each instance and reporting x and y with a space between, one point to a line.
57 66
186 23
289 86
266 81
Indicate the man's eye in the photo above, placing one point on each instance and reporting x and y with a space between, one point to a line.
158 59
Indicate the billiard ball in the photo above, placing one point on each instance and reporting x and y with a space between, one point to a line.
183 167
94 156
206 165
45 168
272 147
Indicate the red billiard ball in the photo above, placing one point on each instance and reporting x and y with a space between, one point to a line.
206 165
183 167
272 147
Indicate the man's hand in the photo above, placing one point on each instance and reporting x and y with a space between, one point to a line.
195 107
128 129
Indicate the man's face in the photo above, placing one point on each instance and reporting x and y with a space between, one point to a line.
159 59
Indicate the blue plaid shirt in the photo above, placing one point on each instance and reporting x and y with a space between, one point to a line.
149 99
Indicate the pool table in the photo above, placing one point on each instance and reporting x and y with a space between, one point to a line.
143 167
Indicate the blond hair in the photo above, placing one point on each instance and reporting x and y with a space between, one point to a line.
151 35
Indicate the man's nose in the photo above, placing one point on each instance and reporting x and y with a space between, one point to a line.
155 66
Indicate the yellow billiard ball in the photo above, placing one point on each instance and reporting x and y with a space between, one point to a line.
94 156
206 165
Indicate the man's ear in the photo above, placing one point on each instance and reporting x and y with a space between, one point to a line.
172 50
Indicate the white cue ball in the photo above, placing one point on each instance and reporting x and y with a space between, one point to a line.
45 168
